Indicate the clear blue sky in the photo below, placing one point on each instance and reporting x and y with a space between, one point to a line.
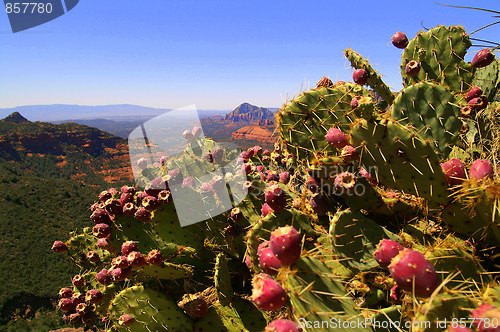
215 54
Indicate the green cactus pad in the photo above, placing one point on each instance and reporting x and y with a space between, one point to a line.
488 79
167 271
432 111
392 317
303 123
374 79
152 311
317 295
443 306
222 278
401 159
355 238
440 52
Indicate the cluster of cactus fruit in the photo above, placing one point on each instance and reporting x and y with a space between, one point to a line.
363 216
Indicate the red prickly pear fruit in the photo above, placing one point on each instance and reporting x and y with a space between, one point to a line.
196 131
236 214
360 76
345 182
164 197
120 274
285 242
128 247
155 257
484 314
100 216
282 325
113 206
93 256
126 198
189 182
126 320
275 197
260 168
143 215
82 308
113 192
266 153
129 209
206 189
474 92
196 308
355 102
483 58
120 262
478 103
150 203
319 204
257 150
66 304
272 176
349 153
154 187
324 82
104 196
77 298
262 246
71 317
364 173
412 271
104 277
218 183
245 155
454 171
467 112
93 296
136 259
267 294
266 209
248 262
399 40
142 163
246 169
284 177
78 281
65 293
336 138
128 190
386 251
412 68
59 246
481 169
312 185
101 231
269 263
250 152
459 329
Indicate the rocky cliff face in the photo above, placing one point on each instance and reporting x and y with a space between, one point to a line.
254 133
251 113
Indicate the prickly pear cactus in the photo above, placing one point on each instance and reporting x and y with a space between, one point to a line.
368 215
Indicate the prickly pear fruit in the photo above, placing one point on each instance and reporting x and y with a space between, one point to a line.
360 76
324 82
269 263
319 204
312 185
196 308
66 304
275 197
93 256
150 203
65 293
144 215
78 281
266 209
336 138
282 325
104 196
285 242
386 251
478 103
129 209
412 271
128 247
236 214
104 277
345 182
474 92
284 177
93 296
399 40
135 258
412 68
155 257
118 274
101 231
481 169
100 216
349 153
59 246
267 294
126 320
486 318
483 58
121 262
454 171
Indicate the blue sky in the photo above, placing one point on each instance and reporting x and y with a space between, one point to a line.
215 54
